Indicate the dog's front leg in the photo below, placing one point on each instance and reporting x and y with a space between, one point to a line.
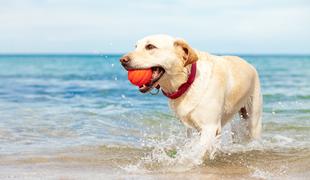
208 117
205 146
209 125
209 139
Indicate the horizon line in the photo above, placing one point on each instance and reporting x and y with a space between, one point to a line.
118 54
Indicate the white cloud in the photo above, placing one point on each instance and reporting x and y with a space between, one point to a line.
218 26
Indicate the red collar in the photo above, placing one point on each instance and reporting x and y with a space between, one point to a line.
184 87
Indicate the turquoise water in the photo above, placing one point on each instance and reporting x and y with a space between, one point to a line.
63 103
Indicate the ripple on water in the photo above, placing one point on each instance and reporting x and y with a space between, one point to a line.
81 112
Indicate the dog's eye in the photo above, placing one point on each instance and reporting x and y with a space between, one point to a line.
150 46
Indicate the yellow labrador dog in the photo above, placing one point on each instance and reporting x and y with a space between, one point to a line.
220 86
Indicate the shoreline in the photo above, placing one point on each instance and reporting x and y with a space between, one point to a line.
122 163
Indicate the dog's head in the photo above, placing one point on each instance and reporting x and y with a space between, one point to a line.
165 55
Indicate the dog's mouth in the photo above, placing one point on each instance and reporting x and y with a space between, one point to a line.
157 73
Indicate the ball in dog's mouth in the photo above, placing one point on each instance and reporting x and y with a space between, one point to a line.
157 73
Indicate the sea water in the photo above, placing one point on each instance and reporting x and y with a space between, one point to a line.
77 116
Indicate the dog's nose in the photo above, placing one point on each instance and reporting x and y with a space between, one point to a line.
125 60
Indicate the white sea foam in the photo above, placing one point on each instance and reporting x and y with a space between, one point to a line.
179 154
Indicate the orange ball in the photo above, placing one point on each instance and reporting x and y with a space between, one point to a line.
140 77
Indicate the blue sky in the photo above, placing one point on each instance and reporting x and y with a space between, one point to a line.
99 26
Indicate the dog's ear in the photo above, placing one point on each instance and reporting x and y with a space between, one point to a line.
186 52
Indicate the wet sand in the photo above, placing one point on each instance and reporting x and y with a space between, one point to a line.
121 163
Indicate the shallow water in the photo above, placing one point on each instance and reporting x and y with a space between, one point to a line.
77 116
